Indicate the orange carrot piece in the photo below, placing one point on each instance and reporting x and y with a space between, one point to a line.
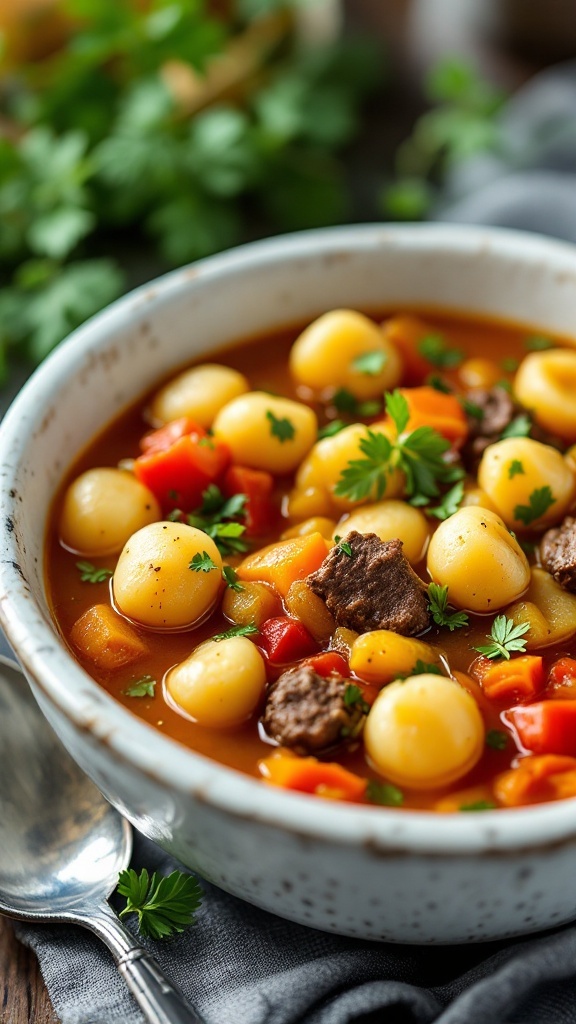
431 408
562 680
308 775
537 779
507 680
102 637
406 333
283 563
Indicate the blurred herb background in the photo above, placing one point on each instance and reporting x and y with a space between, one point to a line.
159 131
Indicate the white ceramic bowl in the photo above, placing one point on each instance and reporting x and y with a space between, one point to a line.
370 872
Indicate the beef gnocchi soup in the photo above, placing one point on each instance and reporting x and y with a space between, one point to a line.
342 560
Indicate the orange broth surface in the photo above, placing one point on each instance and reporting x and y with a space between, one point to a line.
264 362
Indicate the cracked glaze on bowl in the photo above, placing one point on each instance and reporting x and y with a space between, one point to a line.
370 872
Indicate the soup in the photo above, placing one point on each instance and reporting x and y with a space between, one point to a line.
341 560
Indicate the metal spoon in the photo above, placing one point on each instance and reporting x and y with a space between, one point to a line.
62 846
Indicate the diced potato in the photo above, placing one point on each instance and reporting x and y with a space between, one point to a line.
199 393
475 497
102 509
381 656
266 432
316 524
286 561
550 610
221 683
424 732
310 610
514 470
481 563
255 603
104 638
343 640
388 520
545 383
345 349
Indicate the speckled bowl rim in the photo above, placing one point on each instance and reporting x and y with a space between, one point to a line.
130 740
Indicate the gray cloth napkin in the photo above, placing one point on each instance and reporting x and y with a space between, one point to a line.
243 966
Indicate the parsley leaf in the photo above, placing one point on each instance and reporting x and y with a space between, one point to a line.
478 805
90 574
248 630
520 426
165 905
435 349
230 576
331 429
509 365
438 606
282 428
537 343
367 477
344 546
370 363
344 401
471 409
384 793
398 410
450 502
504 637
515 469
202 563
143 687
540 501
439 384
496 739
210 516
354 698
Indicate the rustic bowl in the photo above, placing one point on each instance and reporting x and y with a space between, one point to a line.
370 872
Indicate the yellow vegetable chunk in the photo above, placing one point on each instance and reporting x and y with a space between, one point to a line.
546 383
343 640
388 520
266 432
255 603
310 610
550 610
286 561
157 584
382 655
478 372
220 684
345 349
515 474
481 563
199 393
424 732
102 509
316 524
477 498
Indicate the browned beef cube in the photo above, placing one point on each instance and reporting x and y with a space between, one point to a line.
373 588
558 553
307 712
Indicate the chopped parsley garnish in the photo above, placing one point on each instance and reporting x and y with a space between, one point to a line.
344 546
90 574
439 384
143 687
344 401
202 562
354 698
504 637
214 517
418 454
538 343
331 429
471 409
165 905
439 608
450 502
230 576
510 365
282 428
435 349
370 363
384 793
520 426
496 739
421 668
539 502
515 469
478 805
249 630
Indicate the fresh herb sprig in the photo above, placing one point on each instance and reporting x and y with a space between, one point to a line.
417 453
436 350
164 905
143 687
384 794
90 574
505 637
249 630
440 609
218 517
540 500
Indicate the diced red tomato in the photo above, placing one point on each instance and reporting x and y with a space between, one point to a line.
325 664
308 775
257 485
178 463
547 727
285 640
507 680
562 679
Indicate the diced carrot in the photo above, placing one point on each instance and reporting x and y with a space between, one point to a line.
406 333
282 563
431 408
308 775
546 727
330 661
507 680
105 639
285 640
537 779
562 680
257 485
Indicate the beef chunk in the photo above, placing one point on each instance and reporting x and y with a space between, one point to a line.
307 712
558 553
498 411
373 588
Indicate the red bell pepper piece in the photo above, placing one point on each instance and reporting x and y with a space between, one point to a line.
547 727
257 485
326 664
285 640
508 680
562 679
178 463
